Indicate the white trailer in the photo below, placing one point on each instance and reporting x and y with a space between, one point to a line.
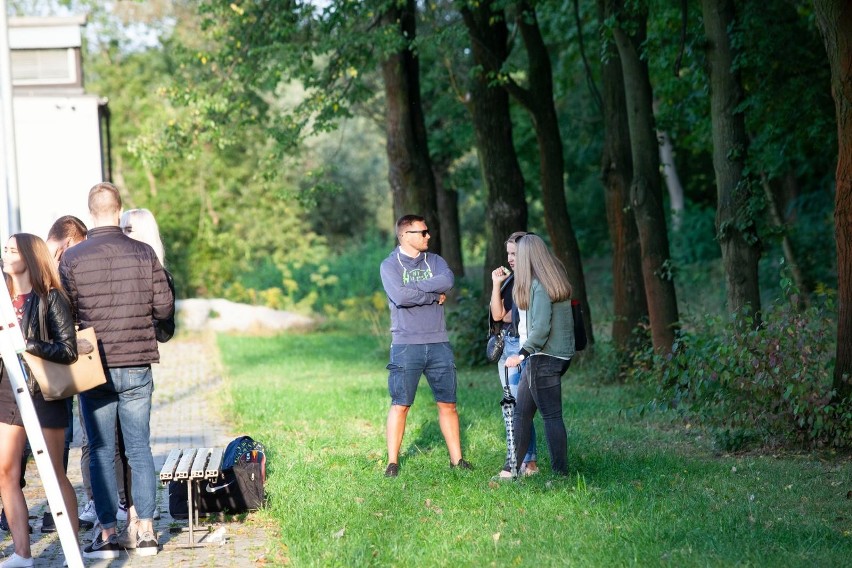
60 132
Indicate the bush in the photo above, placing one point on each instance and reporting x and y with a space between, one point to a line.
467 324
770 385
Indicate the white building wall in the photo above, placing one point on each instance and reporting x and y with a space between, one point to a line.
59 158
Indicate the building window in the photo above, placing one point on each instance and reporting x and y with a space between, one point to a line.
44 67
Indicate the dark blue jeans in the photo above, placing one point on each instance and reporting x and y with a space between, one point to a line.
541 389
126 398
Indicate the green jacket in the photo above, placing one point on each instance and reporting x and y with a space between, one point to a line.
550 327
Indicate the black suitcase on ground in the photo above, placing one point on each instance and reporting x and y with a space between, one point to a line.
237 490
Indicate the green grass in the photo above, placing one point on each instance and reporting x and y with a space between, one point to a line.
642 492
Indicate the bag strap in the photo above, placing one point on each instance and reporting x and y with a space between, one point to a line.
42 320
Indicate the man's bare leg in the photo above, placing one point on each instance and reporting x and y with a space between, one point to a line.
448 418
395 430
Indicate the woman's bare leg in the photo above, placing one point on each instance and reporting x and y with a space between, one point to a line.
54 438
12 440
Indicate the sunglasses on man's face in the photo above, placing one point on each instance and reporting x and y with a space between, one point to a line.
423 233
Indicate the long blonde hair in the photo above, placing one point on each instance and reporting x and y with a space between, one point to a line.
534 261
141 225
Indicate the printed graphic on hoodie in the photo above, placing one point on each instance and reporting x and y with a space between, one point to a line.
415 274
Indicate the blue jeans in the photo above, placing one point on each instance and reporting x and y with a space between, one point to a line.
541 389
511 347
409 361
127 397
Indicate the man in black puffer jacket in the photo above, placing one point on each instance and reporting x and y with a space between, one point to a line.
117 285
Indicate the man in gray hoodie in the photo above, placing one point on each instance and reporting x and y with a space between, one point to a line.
416 284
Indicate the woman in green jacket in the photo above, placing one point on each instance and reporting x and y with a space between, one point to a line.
543 290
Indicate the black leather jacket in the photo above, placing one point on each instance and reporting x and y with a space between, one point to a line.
60 329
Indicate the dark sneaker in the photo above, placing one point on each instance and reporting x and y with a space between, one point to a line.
146 544
392 470
461 464
103 549
47 523
4 524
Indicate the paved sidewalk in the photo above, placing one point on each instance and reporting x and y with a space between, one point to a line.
188 390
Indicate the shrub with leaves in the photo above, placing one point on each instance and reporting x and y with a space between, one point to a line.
769 384
467 324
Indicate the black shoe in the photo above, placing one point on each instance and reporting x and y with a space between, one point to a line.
103 549
47 523
461 464
4 524
392 470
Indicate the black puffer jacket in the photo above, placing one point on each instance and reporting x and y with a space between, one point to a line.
117 285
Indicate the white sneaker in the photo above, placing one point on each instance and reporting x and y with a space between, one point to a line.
95 532
16 561
146 544
121 511
88 517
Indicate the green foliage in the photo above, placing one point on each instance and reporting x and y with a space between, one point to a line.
694 240
768 385
334 285
467 324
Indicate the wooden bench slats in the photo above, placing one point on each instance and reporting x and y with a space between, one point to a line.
191 464
182 471
199 463
215 463
168 470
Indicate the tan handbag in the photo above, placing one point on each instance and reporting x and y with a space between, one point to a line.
58 381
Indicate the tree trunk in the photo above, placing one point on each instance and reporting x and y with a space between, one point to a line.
673 185
786 244
506 206
646 194
538 100
409 166
448 211
629 304
735 226
834 18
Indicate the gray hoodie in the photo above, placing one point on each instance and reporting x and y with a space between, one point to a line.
413 286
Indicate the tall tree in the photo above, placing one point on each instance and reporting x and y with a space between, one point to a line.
537 99
629 304
506 208
412 180
646 196
834 18
735 225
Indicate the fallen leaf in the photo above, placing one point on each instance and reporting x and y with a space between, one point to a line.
339 534
495 537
